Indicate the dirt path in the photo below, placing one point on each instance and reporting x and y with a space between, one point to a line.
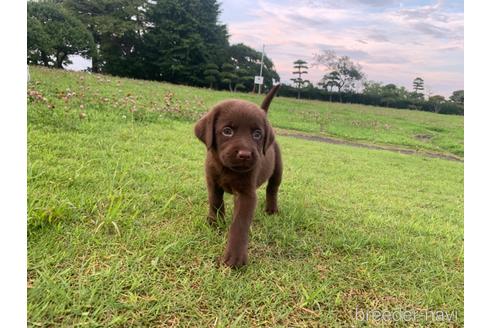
334 141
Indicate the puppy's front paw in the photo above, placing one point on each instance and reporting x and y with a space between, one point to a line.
271 209
235 259
212 220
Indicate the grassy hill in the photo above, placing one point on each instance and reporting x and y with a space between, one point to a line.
151 101
117 205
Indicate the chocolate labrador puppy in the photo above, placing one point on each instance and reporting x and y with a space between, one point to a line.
242 154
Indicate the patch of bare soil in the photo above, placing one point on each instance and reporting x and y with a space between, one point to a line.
423 137
334 141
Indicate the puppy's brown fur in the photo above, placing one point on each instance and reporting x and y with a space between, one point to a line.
242 154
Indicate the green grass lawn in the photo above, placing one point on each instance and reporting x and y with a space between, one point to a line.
117 235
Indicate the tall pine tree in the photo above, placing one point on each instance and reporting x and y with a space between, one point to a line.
182 39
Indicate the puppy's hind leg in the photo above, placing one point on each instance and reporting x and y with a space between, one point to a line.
273 184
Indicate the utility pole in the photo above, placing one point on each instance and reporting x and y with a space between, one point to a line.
261 68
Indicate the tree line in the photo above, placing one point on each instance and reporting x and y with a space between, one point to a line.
381 95
345 82
165 40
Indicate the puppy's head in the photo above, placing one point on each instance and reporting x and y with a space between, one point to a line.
238 131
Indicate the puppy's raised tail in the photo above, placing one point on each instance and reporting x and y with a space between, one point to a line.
268 99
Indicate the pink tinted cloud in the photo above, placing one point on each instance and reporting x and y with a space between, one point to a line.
393 46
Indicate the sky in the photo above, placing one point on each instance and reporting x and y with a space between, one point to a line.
393 41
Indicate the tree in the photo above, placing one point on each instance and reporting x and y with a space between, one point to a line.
53 34
249 60
437 101
182 38
417 96
228 75
330 80
169 40
38 42
392 94
300 67
117 27
211 74
458 97
243 78
373 88
349 73
418 85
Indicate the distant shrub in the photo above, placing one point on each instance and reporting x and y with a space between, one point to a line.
392 101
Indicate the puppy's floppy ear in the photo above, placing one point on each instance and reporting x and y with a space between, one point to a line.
204 128
268 138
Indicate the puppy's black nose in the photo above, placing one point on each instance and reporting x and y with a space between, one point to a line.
244 155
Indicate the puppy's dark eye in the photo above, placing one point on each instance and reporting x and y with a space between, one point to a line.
227 132
257 134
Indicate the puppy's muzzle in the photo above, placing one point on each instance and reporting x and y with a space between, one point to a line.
241 160
244 155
